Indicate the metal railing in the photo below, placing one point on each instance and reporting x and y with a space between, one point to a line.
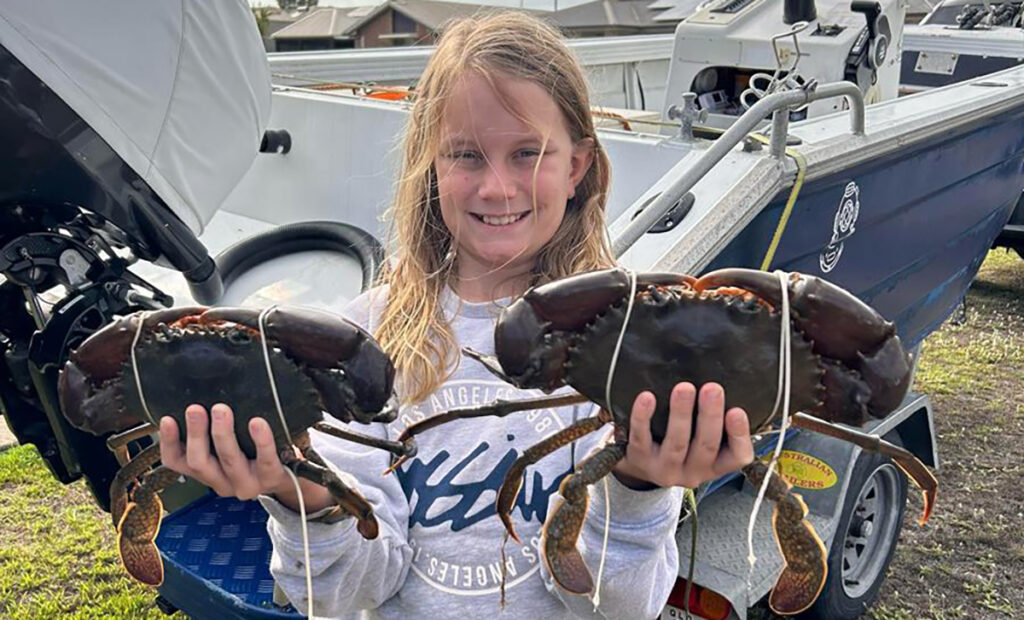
777 104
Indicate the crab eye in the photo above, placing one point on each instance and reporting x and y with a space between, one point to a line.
239 336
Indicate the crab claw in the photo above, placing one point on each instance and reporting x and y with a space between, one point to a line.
89 405
525 340
354 377
842 328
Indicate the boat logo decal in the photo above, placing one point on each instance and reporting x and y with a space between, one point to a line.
842 227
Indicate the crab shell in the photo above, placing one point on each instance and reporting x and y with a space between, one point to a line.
320 362
847 363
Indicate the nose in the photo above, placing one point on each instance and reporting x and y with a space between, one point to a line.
498 183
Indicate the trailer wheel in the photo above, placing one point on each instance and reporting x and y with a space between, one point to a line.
865 539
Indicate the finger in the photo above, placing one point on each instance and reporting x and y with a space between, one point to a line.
232 461
708 437
172 453
197 442
739 451
640 441
680 422
200 462
268 462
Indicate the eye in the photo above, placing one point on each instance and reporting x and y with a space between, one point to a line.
528 153
464 156
239 336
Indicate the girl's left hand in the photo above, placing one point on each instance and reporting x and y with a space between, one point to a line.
686 458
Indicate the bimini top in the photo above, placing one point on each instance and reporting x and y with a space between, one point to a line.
180 89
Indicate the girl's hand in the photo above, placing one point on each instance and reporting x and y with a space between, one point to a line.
678 460
230 473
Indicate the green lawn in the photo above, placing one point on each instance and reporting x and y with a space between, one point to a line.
58 557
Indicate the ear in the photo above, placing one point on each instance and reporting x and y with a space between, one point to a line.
579 164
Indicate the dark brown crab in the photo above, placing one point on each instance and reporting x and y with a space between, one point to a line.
846 364
320 362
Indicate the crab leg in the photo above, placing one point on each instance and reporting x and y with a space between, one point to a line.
513 481
118 443
315 469
910 464
562 529
139 526
397 448
131 470
499 408
806 568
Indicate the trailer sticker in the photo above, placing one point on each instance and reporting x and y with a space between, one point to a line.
805 471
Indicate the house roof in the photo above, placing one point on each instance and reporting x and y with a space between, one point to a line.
326 22
604 13
433 14
337 22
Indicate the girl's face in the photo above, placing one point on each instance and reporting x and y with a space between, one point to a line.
493 169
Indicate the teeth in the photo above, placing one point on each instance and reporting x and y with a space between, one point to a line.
502 220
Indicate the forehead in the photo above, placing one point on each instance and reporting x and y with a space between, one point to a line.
511 107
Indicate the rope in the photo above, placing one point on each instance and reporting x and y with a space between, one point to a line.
608 401
135 371
261 321
801 173
604 544
782 394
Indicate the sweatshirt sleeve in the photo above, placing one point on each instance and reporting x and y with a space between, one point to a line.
349 573
642 560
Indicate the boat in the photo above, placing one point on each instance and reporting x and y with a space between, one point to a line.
211 185
957 41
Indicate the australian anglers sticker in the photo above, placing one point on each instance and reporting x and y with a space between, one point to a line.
805 471
842 227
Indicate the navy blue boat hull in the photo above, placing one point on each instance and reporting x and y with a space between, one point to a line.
928 214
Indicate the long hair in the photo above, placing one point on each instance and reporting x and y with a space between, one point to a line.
413 329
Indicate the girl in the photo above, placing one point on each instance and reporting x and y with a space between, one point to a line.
503 186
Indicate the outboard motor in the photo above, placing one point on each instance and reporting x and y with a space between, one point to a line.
731 53
116 149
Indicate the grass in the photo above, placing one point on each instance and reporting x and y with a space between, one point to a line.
58 556
968 561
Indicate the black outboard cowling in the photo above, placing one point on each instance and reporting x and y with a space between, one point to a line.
58 162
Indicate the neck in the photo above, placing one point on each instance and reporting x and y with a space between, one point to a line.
475 285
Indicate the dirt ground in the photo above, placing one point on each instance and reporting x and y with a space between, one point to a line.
968 561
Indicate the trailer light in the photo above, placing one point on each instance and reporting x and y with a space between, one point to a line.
703 602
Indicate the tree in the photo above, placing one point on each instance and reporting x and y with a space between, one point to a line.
262 16
291 5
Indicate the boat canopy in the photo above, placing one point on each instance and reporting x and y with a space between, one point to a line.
180 89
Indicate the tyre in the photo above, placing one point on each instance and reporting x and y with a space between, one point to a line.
865 539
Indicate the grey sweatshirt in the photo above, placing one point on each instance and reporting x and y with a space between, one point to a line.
439 550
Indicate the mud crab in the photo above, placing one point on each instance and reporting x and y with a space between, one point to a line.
847 364
150 364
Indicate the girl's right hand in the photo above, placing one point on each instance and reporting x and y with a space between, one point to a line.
230 473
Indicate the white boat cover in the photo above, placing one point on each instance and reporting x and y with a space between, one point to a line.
180 89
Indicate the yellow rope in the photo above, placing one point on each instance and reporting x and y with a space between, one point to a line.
801 171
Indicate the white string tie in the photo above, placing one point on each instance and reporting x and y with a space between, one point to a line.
782 394
596 599
135 369
261 321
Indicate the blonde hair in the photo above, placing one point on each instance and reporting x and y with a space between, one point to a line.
413 329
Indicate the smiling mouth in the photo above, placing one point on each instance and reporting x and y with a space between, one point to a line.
500 220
